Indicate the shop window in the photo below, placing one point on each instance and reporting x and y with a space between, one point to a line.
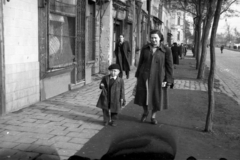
61 33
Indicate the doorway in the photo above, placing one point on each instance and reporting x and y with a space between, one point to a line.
116 34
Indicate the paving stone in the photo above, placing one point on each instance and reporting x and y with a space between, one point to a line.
61 138
7 152
41 121
79 140
45 150
67 152
40 136
8 145
75 125
24 155
8 138
48 157
60 132
71 129
26 140
22 146
44 142
67 145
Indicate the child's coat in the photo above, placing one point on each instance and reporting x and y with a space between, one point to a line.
117 93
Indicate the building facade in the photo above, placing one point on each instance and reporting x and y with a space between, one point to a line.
177 21
49 47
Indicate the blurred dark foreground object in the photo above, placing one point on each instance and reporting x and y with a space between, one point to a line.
131 156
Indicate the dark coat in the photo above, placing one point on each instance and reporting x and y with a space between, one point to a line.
117 93
175 54
154 68
123 52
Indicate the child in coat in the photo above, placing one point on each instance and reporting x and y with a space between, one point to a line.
112 97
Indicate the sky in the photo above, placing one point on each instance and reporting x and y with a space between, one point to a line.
234 22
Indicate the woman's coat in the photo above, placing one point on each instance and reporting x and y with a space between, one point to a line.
117 93
153 68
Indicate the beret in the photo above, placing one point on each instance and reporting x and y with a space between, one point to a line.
114 66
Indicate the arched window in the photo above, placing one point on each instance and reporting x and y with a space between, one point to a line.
178 36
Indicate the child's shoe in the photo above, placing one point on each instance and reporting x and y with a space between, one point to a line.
105 123
112 123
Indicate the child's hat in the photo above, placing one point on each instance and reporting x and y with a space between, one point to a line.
114 66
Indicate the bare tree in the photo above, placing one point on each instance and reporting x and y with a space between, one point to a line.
225 8
211 5
211 98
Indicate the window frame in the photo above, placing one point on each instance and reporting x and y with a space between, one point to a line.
64 67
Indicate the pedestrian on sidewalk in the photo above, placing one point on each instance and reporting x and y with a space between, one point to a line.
175 54
112 97
122 52
222 47
155 68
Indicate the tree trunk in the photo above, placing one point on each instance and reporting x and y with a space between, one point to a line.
211 100
198 28
206 30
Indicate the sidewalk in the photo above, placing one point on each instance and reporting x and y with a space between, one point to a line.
70 123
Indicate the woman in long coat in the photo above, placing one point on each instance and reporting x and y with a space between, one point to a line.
122 52
155 67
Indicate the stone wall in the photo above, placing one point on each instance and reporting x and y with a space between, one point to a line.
21 53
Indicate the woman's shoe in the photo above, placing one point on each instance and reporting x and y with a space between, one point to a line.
144 117
154 121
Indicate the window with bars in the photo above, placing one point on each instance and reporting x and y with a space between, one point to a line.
61 33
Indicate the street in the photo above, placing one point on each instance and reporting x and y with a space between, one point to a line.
228 71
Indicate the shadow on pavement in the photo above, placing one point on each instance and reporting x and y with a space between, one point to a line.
32 152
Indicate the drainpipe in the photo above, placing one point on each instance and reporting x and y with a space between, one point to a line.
149 18
2 64
134 33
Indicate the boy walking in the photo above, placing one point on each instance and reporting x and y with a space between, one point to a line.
112 97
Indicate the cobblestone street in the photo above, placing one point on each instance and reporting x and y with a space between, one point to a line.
60 126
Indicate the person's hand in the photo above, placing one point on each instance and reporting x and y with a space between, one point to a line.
123 103
102 85
164 84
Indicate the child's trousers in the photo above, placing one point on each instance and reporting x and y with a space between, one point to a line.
107 116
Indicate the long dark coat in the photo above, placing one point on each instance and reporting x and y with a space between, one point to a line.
122 52
153 68
117 93
175 54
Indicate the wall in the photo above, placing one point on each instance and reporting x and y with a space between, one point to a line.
21 53
106 37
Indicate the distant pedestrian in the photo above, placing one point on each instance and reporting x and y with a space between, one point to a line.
123 52
175 54
185 50
181 50
112 97
192 48
154 71
222 47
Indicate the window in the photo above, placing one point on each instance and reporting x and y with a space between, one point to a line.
178 36
179 20
61 33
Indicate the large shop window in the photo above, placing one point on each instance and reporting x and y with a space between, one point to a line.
61 33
